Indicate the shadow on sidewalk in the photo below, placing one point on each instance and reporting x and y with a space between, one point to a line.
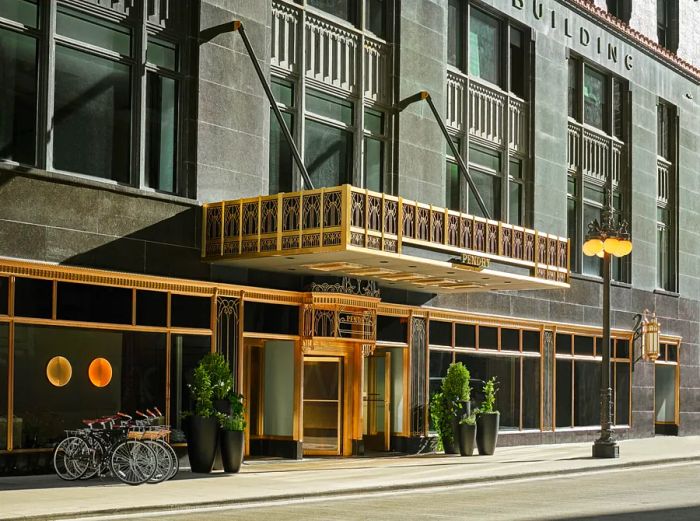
675 514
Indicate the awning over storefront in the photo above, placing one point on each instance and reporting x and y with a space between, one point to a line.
347 231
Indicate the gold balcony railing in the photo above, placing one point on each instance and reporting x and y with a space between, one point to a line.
347 218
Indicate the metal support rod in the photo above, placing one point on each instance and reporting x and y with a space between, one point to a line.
238 26
425 95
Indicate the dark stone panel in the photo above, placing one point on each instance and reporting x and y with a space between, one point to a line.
689 310
25 241
94 251
570 313
174 261
643 374
512 439
25 463
414 444
585 292
529 307
690 355
642 399
666 306
577 436
290 449
594 316
642 424
689 399
690 424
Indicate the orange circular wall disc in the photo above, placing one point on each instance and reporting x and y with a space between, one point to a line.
100 372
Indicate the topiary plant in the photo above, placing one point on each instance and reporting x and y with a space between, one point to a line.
490 390
202 392
440 412
220 375
455 385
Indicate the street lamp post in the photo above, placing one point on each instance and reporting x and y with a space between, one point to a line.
605 240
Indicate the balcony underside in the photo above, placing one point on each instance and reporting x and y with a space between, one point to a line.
346 231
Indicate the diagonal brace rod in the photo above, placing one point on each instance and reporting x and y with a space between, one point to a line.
425 95
238 26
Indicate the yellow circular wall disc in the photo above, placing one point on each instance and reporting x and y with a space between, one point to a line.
59 371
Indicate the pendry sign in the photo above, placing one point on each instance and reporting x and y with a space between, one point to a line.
580 36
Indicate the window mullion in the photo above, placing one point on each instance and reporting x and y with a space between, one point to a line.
47 73
358 175
300 102
138 149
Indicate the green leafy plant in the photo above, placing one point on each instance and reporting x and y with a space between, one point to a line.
440 412
202 392
236 420
447 404
490 390
455 385
469 420
220 375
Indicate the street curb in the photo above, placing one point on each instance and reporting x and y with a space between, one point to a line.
280 498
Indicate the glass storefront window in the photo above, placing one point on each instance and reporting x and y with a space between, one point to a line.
161 130
162 53
188 311
33 297
328 154
18 95
92 107
278 394
4 353
586 393
151 308
90 303
281 161
185 353
22 11
594 98
563 393
489 187
484 47
42 411
94 31
4 295
665 393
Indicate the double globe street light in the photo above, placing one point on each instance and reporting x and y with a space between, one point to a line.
607 239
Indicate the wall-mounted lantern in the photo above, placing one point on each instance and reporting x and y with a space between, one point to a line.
647 329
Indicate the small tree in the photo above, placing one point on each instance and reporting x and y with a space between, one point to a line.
447 404
490 390
220 375
202 392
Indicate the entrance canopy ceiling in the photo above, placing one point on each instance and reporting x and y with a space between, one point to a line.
347 231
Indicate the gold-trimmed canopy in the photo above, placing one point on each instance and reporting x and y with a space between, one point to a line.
348 231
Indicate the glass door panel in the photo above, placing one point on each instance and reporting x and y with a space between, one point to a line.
665 394
322 405
376 406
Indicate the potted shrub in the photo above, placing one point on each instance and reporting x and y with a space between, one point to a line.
467 435
231 437
221 378
449 405
202 426
488 420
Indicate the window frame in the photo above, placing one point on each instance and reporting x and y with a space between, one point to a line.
667 279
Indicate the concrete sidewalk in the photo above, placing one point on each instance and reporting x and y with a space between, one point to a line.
47 497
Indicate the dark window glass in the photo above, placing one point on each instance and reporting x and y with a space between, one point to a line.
622 394
484 47
662 352
488 337
573 89
455 36
93 108
21 11
271 318
465 335
623 349
506 369
4 354
185 353
440 333
18 96
328 154
592 265
563 344
583 345
586 393
391 329
374 161
161 132
151 308
672 353
531 341
452 187
572 229
484 157
281 160
515 203
618 109
489 187
531 393
594 99
162 53
4 295
517 63
94 31
33 298
329 107
439 362
663 131
375 17
187 311
344 9
662 22
88 303
510 339
43 411
563 393
283 92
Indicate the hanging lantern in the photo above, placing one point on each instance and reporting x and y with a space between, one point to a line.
59 371
100 372
650 340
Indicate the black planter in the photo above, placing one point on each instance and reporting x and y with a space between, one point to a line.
202 435
452 446
487 432
232 443
222 406
467 439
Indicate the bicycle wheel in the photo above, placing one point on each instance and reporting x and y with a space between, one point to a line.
71 458
133 462
96 461
173 455
164 462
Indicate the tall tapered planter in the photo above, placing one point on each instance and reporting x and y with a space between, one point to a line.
467 439
487 432
232 445
202 437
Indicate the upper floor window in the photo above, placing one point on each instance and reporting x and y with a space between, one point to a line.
354 11
496 50
597 148
667 23
98 72
620 9
666 207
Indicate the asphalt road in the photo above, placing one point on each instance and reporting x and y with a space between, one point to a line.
661 493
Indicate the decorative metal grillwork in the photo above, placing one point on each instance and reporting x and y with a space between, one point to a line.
417 364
